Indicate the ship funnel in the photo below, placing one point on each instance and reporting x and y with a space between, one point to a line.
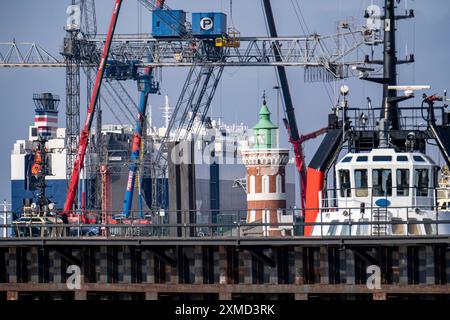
46 114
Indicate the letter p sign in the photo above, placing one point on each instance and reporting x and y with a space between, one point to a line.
206 24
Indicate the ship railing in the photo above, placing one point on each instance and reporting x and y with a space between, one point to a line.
411 118
229 224
366 197
235 231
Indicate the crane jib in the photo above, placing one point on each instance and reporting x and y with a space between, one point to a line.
74 179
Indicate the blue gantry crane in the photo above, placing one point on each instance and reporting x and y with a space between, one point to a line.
146 85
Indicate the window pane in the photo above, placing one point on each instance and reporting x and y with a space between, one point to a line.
278 184
402 182
361 183
344 179
382 158
382 182
252 184
402 158
348 159
421 182
361 159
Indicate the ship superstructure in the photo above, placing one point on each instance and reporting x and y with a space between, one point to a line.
383 192
384 183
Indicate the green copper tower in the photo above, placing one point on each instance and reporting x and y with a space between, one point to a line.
265 130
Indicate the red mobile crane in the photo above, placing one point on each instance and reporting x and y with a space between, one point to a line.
300 159
84 136
290 121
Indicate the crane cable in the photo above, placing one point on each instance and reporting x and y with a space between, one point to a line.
231 14
300 18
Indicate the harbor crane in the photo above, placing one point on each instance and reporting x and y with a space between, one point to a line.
84 136
206 60
290 121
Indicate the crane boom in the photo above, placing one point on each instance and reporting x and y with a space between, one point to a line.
84 136
144 89
290 122
288 105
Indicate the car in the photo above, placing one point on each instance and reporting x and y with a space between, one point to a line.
83 219
84 231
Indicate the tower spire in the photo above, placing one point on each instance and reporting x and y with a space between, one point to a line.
265 130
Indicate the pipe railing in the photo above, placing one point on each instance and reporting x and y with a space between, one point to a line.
228 224
411 118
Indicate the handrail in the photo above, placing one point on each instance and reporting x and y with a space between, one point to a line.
236 228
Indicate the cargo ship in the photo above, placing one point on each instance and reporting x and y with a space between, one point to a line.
216 184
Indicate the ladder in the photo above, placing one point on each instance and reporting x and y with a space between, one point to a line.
380 218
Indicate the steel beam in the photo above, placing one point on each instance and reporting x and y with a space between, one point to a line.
230 288
233 241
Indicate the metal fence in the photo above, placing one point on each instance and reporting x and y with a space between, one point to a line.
229 224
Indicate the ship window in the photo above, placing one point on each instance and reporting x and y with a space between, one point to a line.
361 183
421 182
418 159
402 158
34 132
397 226
332 228
436 173
402 182
347 159
382 158
361 159
344 182
382 182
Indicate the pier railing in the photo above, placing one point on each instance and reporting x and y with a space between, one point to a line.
218 224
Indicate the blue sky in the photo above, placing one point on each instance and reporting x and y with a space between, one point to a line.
239 95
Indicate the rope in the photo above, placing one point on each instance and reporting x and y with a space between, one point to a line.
300 18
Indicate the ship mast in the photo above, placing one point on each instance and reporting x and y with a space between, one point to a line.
390 105
389 109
